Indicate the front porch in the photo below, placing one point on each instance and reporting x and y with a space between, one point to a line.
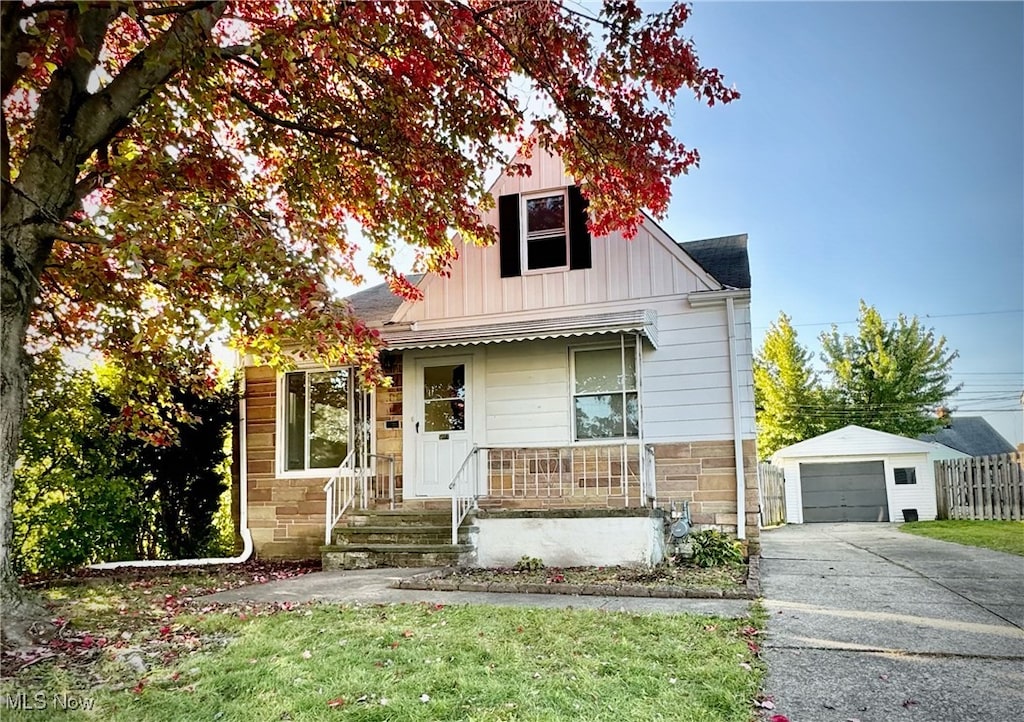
582 505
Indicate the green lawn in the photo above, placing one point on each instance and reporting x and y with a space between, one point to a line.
1003 536
392 662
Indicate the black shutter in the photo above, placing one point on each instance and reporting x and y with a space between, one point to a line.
579 236
508 235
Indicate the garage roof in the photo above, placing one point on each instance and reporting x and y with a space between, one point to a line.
853 441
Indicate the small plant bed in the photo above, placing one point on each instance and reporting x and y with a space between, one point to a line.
664 580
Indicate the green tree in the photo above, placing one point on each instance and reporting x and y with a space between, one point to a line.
77 496
88 489
889 376
169 169
787 391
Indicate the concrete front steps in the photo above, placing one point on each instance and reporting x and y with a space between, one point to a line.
407 538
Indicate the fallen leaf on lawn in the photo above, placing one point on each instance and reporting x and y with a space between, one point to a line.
336 702
764 703
407 633
745 666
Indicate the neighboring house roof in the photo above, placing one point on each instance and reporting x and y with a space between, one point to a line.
854 441
724 257
376 305
971 435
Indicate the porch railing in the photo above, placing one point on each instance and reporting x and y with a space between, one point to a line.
581 473
465 490
352 486
623 470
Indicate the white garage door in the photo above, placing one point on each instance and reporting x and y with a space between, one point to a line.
853 491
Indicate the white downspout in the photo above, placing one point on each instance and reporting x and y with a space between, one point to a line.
737 425
243 518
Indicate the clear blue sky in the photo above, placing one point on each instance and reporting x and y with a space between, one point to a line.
877 152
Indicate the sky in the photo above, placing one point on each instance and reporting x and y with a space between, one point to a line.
876 153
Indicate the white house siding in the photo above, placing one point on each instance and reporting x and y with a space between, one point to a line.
686 384
920 496
686 393
527 393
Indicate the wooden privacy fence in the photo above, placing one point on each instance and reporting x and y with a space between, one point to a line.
771 483
982 487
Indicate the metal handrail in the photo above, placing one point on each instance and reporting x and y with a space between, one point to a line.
342 490
347 495
462 504
391 476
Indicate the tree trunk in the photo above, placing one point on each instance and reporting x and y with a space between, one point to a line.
22 613
69 125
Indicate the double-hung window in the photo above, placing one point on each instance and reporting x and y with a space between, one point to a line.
324 417
545 240
605 404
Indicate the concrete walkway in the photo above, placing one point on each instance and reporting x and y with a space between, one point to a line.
372 586
868 623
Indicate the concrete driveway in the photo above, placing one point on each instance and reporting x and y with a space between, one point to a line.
868 623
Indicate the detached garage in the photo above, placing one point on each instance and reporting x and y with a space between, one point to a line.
857 474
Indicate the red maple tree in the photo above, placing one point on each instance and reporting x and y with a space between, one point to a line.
170 169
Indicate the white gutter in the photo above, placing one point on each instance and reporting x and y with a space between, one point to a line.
243 519
737 425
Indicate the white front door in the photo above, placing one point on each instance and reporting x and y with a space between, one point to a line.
442 422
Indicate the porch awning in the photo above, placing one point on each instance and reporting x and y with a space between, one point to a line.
643 321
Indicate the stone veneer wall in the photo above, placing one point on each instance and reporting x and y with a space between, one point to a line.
704 474
286 515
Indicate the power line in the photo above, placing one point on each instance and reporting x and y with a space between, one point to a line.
927 315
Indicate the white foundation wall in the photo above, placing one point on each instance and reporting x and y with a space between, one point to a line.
598 541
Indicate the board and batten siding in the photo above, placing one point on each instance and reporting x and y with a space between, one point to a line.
649 265
920 496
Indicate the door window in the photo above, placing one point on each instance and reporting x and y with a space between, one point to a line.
444 398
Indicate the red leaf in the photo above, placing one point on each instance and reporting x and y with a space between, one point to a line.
336 702
779 718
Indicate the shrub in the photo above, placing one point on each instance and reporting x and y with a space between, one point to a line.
87 489
712 548
528 564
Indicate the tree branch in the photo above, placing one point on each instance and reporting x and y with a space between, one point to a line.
335 133
111 109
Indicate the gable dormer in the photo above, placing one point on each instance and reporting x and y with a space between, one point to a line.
543 231
546 260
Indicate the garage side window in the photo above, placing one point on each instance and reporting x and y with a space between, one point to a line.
906 475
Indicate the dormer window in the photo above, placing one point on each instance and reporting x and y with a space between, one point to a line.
545 241
543 231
